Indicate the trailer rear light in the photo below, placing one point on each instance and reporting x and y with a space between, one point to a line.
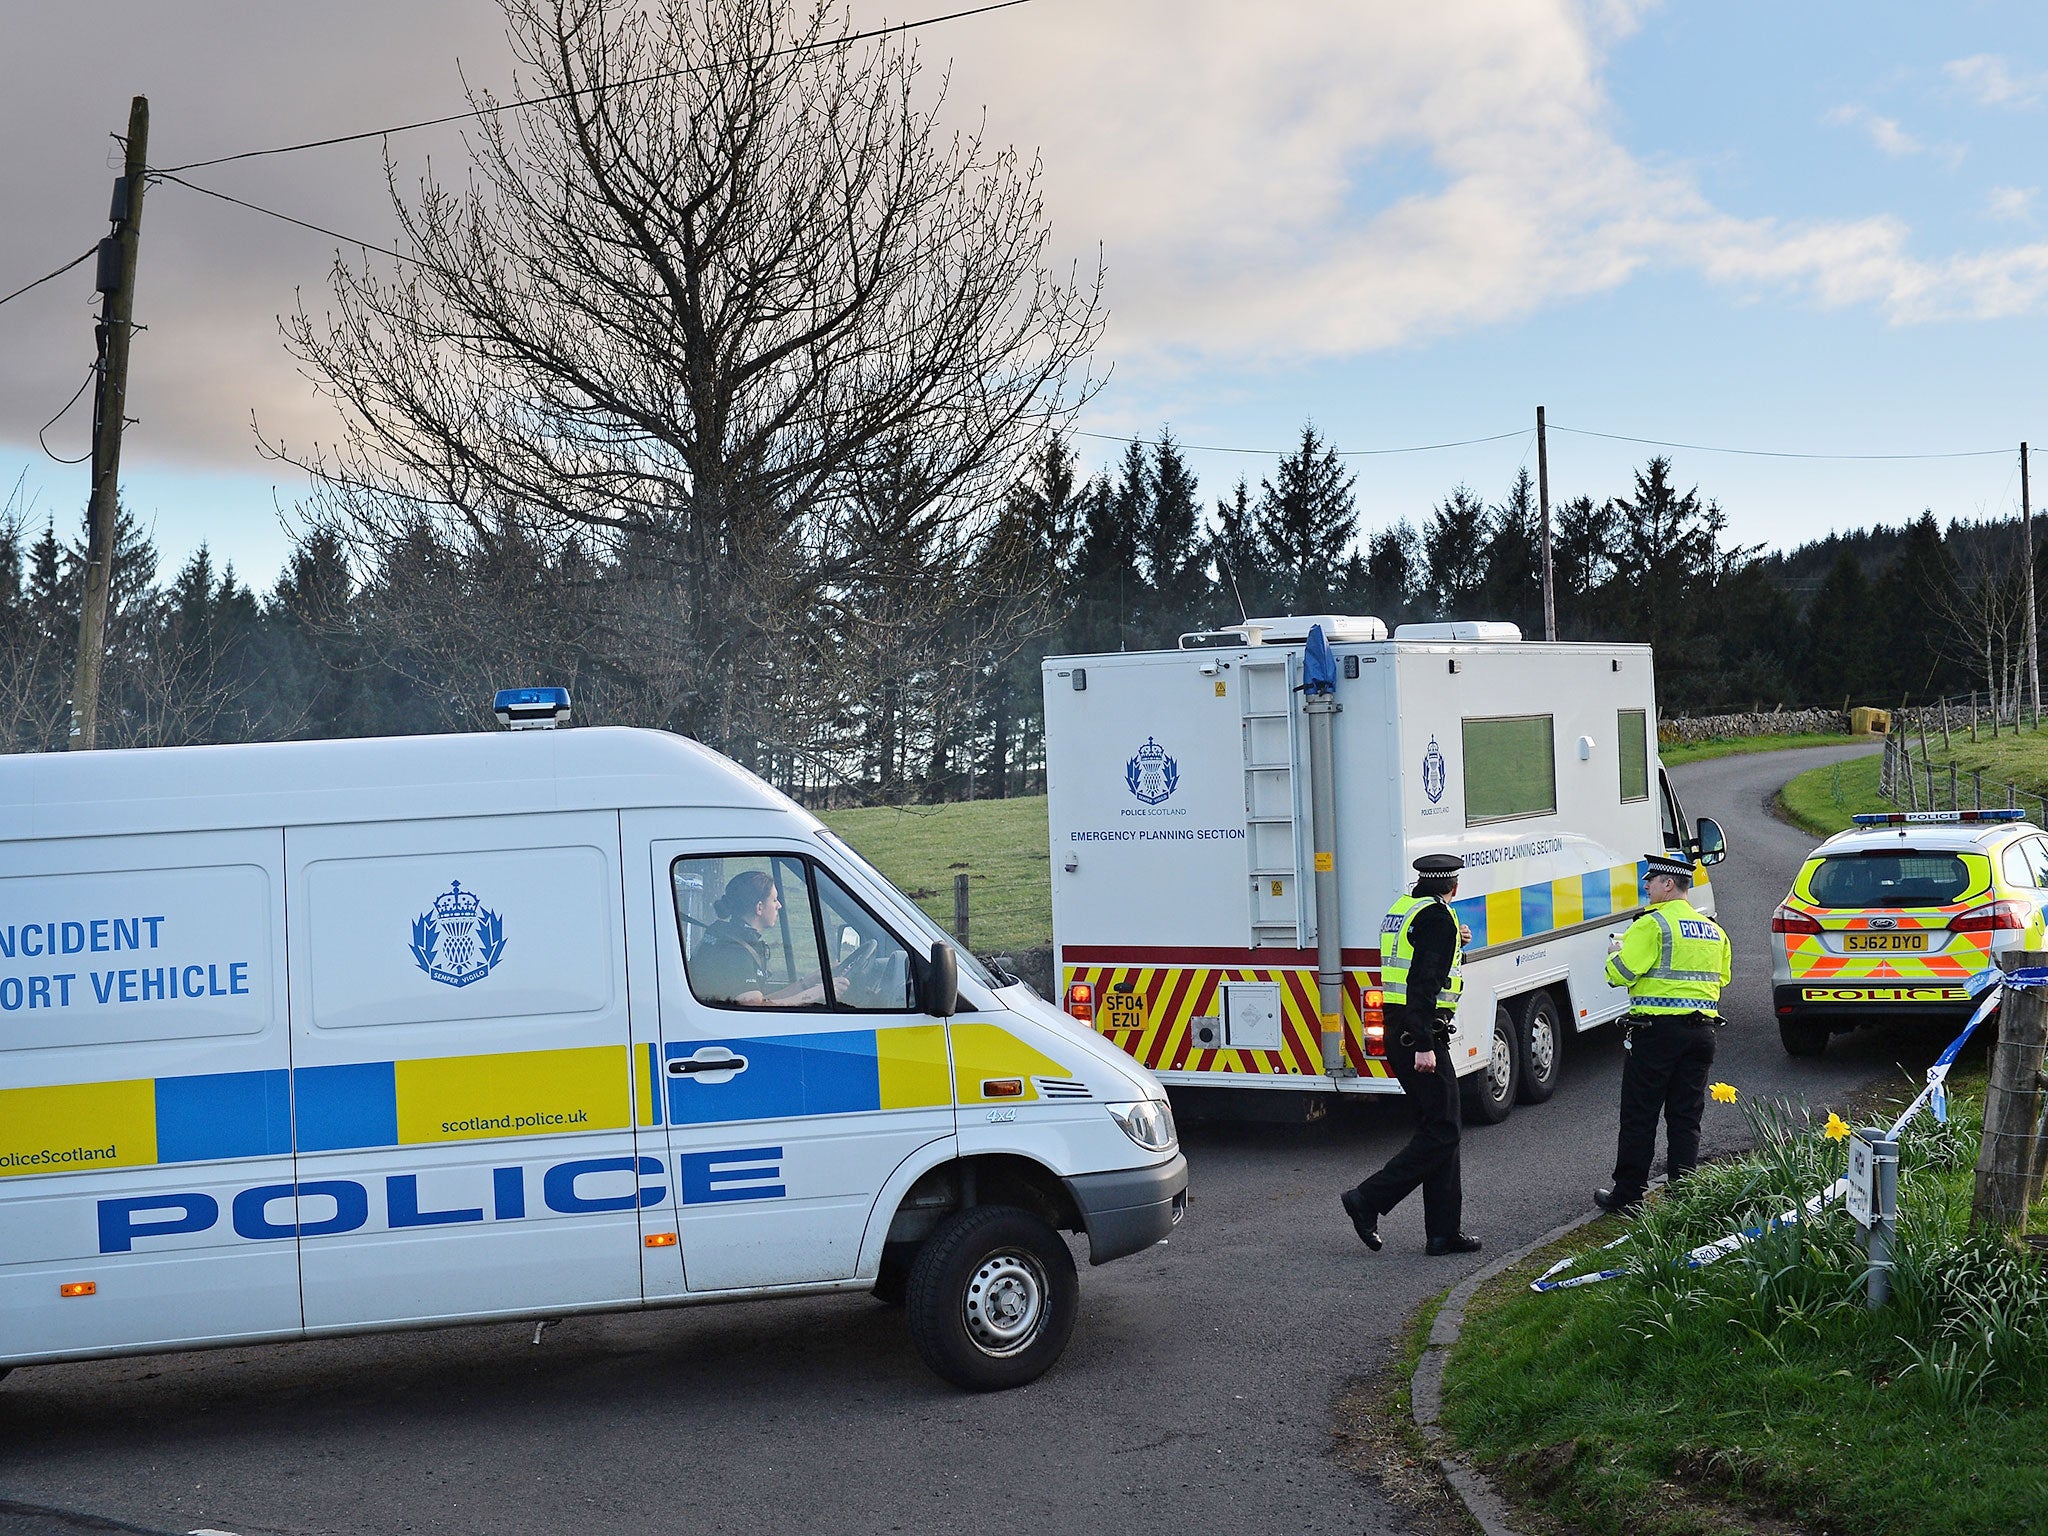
1081 1003
1372 1018
1993 915
1792 920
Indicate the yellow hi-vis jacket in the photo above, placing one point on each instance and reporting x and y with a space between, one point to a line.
1672 960
1397 954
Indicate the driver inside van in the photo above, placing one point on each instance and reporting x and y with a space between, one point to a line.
731 962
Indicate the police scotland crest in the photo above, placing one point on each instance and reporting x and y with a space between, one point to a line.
1435 770
458 939
1151 774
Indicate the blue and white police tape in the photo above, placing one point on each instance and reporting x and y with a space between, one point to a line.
1989 985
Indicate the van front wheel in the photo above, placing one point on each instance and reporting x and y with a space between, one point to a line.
993 1297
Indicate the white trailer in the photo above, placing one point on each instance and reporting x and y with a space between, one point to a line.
1214 920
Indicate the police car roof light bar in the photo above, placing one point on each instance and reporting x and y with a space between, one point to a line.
531 709
1921 818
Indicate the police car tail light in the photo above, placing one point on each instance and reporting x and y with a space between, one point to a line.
1992 916
1372 1017
1792 920
1081 1003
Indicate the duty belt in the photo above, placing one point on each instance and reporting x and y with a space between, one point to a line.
1697 1016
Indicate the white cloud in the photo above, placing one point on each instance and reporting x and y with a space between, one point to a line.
1301 189
2012 204
1990 80
1884 132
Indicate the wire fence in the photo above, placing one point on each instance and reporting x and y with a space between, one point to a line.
1911 778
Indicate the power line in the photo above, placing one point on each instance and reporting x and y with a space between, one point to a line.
318 229
1349 453
536 101
90 374
83 255
1769 453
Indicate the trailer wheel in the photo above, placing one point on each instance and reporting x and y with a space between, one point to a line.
1803 1037
1541 1037
1490 1092
992 1298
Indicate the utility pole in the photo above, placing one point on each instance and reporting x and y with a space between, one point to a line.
117 315
1543 499
2033 639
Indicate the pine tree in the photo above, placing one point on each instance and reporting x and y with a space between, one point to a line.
1454 542
1512 587
1396 579
1238 586
1169 545
1306 523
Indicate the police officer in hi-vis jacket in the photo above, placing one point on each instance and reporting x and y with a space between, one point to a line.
1421 949
1674 962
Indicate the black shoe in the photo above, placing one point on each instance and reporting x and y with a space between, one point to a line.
1616 1200
1458 1242
1363 1218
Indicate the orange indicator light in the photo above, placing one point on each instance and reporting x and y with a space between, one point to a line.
1002 1088
661 1239
78 1288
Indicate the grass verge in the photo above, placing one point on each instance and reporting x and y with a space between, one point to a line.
1821 800
1674 1400
2018 758
1674 753
1000 845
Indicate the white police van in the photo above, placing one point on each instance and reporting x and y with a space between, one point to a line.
1227 841
326 1037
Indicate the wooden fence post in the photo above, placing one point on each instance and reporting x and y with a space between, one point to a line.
960 908
2008 1153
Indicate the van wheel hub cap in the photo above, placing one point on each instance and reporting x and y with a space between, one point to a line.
1005 1303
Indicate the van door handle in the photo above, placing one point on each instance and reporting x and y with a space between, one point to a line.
725 1066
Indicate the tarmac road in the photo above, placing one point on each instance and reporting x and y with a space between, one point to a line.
1197 1393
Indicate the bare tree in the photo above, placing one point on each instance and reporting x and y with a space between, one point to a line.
723 274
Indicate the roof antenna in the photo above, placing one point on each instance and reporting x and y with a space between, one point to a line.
1242 612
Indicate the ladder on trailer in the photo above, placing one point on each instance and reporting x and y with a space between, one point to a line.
1272 821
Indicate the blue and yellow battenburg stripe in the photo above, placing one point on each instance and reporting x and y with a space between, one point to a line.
1530 911
80 1127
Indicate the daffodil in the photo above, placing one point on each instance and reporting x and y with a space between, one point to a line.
1724 1093
1836 1129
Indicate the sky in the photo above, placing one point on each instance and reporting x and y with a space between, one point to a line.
1791 230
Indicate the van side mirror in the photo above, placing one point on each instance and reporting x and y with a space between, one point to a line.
938 989
1709 844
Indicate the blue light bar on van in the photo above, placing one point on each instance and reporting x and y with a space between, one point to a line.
531 709
1917 818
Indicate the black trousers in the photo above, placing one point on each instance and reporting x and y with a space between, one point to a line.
1664 1071
1430 1160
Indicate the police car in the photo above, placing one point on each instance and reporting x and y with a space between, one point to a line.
1894 916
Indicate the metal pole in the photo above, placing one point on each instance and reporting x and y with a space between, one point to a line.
117 317
2033 638
1543 498
1322 773
1885 1164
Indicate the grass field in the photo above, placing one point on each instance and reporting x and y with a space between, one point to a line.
2020 759
1822 800
1000 845
1763 1382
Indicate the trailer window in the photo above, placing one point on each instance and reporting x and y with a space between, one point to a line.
1510 768
1632 736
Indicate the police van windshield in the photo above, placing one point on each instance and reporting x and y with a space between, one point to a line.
1891 879
969 966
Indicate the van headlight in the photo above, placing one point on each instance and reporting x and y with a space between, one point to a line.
1149 1123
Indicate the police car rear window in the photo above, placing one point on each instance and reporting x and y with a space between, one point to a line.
1902 879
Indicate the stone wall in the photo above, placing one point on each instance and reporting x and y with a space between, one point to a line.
1777 722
